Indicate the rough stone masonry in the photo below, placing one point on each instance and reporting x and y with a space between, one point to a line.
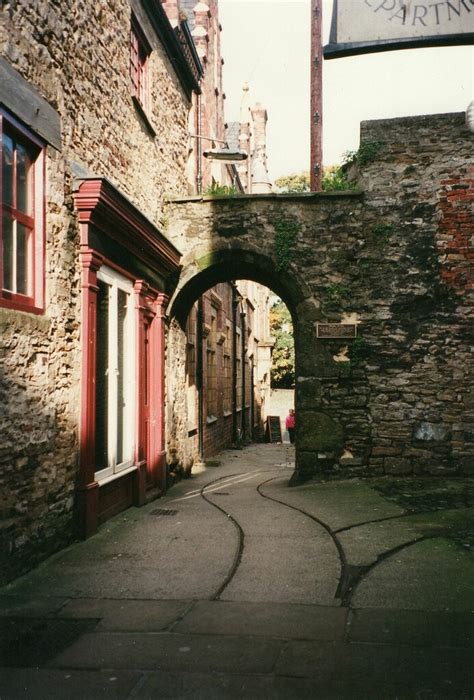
395 256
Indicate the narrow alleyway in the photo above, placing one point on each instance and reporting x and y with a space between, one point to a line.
235 586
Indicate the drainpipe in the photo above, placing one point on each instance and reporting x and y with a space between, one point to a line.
199 379
252 398
242 364
199 144
235 303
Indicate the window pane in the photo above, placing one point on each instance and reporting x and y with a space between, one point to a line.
102 384
7 170
7 282
122 427
23 179
22 281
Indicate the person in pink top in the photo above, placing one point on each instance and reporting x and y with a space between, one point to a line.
290 424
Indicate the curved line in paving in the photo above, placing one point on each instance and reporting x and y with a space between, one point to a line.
375 520
406 514
344 575
360 573
240 533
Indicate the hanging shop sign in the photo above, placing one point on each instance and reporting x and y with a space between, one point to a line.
365 26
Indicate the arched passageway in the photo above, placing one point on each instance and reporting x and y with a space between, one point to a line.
202 273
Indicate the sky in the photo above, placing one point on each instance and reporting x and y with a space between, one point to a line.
267 44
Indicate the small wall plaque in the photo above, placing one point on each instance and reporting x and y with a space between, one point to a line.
336 330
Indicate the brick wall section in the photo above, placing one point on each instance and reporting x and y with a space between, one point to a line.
456 231
405 402
76 54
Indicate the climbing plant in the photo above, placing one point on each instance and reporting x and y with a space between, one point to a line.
286 234
366 153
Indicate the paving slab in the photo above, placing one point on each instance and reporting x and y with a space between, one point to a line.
276 569
212 686
365 543
269 620
437 668
52 684
412 627
368 663
170 652
128 615
337 503
257 687
28 606
435 574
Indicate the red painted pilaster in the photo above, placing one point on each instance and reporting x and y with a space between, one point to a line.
158 389
88 487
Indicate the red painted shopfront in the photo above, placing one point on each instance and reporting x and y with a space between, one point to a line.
126 267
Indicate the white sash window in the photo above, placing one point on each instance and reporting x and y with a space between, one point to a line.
115 375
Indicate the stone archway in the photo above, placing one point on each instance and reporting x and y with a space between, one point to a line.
394 258
320 438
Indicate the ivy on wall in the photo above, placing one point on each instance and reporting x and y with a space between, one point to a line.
286 234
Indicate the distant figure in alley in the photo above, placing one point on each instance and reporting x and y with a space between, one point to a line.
290 424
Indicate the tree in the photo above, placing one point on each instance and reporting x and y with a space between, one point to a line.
283 356
297 182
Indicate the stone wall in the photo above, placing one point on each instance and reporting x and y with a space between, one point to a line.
76 55
396 257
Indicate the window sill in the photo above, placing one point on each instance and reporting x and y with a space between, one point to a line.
192 431
211 419
227 414
143 115
117 475
20 304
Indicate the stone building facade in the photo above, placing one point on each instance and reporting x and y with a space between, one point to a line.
94 116
96 101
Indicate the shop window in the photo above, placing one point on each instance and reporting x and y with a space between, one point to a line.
21 227
139 54
115 375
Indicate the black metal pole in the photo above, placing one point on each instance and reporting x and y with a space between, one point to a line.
242 364
200 379
235 303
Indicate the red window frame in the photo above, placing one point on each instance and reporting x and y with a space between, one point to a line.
32 298
140 51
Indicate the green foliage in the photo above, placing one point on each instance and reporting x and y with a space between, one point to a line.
283 355
335 179
366 153
296 182
218 190
358 351
382 231
286 233
338 293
